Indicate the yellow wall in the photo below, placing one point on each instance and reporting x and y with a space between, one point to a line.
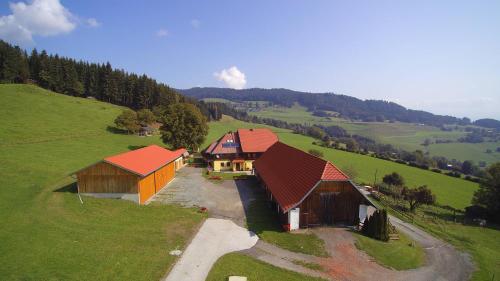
248 165
227 165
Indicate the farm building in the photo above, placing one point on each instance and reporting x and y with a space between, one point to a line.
135 175
309 191
236 151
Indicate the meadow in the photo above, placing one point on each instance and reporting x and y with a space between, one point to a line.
47 233
405 136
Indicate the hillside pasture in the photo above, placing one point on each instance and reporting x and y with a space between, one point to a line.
47 233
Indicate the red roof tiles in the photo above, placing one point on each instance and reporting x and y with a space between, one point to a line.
290 174
256 140
145 160
243 140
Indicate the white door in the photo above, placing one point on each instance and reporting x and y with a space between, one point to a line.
363 212
293 218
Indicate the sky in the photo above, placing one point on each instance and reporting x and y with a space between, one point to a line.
439 56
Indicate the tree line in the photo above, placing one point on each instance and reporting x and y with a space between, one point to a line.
103 82
347 107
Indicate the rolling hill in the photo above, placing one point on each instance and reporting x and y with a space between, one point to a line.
46 233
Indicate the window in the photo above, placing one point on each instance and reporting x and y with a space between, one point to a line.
222 164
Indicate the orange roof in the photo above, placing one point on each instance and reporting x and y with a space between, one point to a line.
290 174
256 140
145 160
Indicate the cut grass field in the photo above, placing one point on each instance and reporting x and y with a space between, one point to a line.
449 191
399 254
46 233
241 265
402 135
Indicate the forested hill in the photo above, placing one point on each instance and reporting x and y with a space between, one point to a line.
348 107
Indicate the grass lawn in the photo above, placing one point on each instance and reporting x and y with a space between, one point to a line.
449 191
241 265
483 243
46 233
398 254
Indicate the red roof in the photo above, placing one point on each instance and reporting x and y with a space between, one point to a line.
256 140
244 140
290 174
145 160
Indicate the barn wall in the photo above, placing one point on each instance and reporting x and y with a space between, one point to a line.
106 178
330 203
164 176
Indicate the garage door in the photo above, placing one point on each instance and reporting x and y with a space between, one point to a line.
164 176
147 188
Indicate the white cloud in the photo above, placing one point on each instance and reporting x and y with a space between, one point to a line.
40 17
162 32
92 22
232 77
195 23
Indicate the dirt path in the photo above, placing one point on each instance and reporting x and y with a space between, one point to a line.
348 263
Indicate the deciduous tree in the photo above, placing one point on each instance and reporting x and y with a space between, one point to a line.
183 126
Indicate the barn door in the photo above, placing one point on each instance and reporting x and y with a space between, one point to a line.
327 200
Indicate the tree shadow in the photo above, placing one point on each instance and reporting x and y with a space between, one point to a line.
115 130
71 188
134 147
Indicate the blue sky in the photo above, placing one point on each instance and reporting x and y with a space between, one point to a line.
440 56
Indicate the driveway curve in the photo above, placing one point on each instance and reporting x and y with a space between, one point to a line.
215 238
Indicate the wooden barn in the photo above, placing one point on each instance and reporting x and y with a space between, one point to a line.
135 175
309 191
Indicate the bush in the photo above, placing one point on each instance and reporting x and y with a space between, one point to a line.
454 174
436 170
393 179
377 226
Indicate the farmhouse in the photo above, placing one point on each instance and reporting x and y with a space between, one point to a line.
236 151
135 175
307 190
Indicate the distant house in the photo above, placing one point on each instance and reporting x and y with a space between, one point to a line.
236 151
309 191
135 175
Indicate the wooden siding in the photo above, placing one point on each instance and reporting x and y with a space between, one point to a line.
106 178
331 203
164 176
146 188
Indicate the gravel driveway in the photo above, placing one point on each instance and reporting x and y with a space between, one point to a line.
224 199
215 238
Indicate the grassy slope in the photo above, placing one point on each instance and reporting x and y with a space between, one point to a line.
399 254
241 265
402 135
50 235
443 186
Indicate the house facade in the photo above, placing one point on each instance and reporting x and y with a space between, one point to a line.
308 191
236 151
135 175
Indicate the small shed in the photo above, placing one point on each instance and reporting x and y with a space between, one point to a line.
309 191
135 175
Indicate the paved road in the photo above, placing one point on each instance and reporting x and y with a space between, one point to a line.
215 238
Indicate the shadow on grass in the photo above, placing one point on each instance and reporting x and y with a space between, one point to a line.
71 188
134 147
260 217
115 130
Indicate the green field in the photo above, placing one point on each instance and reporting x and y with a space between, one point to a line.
405 136
46 233
399 254
241 265
461 191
